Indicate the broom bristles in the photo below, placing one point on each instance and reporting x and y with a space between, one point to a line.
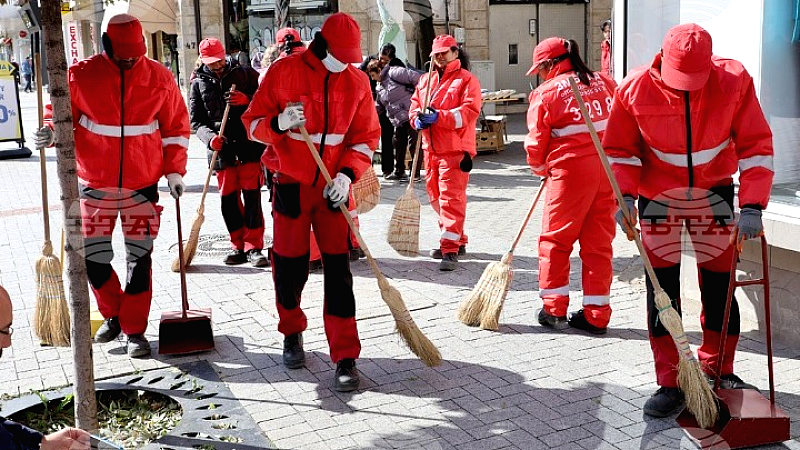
498 281
190 247
419 344
367 192
700 399
403 234
51 318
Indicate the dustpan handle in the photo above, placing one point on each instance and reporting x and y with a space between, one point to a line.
184 296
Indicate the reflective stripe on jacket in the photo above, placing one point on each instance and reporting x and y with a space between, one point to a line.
340 117
131 127
647 134
457 97
556 129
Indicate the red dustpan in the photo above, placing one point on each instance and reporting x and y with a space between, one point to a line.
746 417
187 330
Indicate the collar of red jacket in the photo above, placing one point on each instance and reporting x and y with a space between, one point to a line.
453 66
562 66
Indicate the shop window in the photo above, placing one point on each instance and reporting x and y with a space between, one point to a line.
513 54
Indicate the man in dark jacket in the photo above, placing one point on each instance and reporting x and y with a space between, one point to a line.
238 163
15 436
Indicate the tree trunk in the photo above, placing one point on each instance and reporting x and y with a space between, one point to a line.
84 389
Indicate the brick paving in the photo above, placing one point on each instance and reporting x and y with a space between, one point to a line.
520 387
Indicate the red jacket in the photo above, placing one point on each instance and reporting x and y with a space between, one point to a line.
605 57
131 127
339 112
457 97
646 137
556 130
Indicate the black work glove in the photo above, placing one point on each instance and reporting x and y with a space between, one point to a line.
466 163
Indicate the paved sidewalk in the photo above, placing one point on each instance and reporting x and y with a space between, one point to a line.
520 387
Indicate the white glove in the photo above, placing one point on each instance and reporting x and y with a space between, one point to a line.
176 186
338 191
44 137
291 117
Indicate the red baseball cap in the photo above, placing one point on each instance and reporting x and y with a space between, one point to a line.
686 57
211 50
125 33
547 49
443 43
343 35
280 38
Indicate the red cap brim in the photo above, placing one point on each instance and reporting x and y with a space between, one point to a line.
684 81
346 55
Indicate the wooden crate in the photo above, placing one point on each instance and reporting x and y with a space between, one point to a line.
491 136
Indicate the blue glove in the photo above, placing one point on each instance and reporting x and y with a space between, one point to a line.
419 125
428 118
750 225
630 205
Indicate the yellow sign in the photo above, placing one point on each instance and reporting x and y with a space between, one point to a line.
6 69
65 7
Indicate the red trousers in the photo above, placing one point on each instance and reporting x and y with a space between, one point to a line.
240 189
579 206
315 253
295 209
661 226
447 190
140 218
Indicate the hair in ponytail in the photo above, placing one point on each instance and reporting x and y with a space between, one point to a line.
463 57
584 73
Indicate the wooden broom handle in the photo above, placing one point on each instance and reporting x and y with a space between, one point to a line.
414 163
528 216
607 167
37 63
216 153
325 174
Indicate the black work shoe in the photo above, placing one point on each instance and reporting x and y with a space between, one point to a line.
437 252
356 254
347 378
386 175
315 266
257 259
108 331
138 346
235 257
449 262
731 381
666 401
578 320
548 320
293 355
403 178
394 176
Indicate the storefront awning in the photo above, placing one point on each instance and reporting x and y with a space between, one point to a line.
269 5
155 15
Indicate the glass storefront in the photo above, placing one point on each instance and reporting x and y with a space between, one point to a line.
306 16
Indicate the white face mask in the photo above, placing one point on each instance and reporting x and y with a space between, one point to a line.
333 64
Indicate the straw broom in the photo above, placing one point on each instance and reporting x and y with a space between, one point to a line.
51 317
367 192
403 233
411 334
485 303
700 399
190 247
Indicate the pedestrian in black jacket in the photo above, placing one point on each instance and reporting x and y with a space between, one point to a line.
15 436
238 166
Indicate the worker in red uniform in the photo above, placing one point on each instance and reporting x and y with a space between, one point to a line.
238 163
606 65
678 131
579 202
322 90
131 129
447 128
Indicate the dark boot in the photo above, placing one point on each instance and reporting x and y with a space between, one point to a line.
293 355
138 346
551 321
257 259
731 381
235 257
437 252
347 378
449 262
108 331
665 402
578 320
